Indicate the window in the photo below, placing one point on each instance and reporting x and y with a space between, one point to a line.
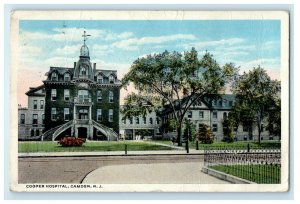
83 71
235 128
130 120
201 114
262 127
53 113
41 104
214 102
99 95
215 115
124 121
100 79
35 104
67 77
54 76
151 121
53 94
111 79
83 96
157 120
66 114
245 128
37 132
22 120
32 132
99 114
66 94
35 119
230 103
137 120
144 120
215 127
111 97
220 103
110 115
190 114
224 116
224 103
43 118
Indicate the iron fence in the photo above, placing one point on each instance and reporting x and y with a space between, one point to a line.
257 165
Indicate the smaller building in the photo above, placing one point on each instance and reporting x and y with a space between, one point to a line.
31 120
140 127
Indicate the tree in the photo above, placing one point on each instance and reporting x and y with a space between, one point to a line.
205 134
189 129
227 131
175 80
256 95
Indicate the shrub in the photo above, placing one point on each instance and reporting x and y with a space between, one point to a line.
205 135
227 131
71 142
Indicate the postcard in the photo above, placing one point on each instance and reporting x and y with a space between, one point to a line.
149 101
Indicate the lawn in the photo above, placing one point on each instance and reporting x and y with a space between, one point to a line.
233 145
89 146
262 174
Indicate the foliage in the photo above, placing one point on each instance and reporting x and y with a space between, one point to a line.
71 142
228 131
175 81
189 129
274 119
256 94
205 134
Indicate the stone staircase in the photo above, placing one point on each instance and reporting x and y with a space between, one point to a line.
108 132
48 135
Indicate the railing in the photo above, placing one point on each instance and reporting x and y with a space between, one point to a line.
82 121
109 133
82 100
61 129
256 165
49 133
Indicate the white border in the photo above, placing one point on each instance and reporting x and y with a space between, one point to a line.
159 15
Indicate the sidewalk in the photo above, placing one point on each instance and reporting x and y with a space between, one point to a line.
108 153
158 173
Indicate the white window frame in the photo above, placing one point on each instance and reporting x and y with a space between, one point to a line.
53 114
41 104
215 127
99 96
99 114
22 119
53 94
137 120
111 79
54 76
67 94
110 115
190 114
35 104
67 77
201 114
100 79
111 97
215 115
66 112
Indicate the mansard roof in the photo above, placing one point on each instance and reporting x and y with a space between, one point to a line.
60 70
208 100
34 91
106 72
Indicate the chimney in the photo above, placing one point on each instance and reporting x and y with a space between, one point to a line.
74 65
94 68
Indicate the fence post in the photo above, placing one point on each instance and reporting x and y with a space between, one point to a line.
125 149
197 145
248 147
187 146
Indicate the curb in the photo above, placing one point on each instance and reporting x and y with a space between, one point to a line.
225 177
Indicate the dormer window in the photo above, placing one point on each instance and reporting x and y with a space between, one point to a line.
54 76
111 79
67 77
100 79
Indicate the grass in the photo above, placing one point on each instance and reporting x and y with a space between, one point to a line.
90 146
262 174
233 145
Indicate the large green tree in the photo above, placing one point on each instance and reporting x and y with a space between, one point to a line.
256 98
173 79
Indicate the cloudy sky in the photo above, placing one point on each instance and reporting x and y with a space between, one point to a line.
116 44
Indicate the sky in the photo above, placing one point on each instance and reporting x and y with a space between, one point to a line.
116 44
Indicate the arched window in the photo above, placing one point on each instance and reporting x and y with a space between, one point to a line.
67 77
83 71
37 132
225 116
111 79
54 76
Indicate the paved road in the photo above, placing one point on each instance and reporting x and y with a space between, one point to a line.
114 168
